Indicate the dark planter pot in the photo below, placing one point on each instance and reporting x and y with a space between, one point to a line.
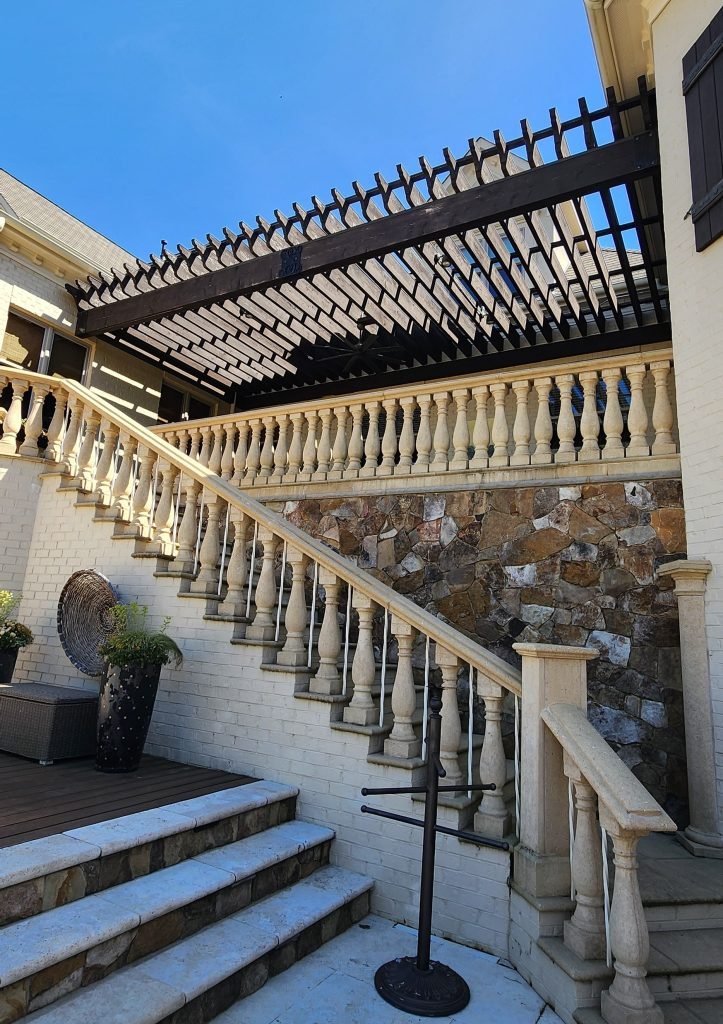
125 706
7 665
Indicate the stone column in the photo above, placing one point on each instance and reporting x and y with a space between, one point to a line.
550 675
704 835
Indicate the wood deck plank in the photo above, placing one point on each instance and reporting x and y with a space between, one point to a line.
42 801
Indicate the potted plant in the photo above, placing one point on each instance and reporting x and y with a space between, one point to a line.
134 655
13 635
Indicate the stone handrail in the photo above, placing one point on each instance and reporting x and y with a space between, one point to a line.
566 826
582 410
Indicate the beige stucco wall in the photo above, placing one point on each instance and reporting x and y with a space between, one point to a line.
696 296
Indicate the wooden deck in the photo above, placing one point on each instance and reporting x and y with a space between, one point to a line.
38 801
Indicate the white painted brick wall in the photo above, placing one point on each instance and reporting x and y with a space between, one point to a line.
19 493
696 295
222 711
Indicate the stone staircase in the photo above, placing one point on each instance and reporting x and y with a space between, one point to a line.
170 914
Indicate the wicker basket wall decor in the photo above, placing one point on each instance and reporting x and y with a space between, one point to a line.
84 618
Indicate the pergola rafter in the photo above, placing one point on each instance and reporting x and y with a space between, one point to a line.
471 261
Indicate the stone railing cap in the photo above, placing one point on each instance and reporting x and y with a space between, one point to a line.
695 568
560 651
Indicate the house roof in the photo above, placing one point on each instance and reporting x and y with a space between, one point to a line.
448 268
31 208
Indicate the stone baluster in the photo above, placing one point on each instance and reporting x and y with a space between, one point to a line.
542 455
323 455
566 426
361 710
183 439
281 451
340 447
56 430
590 420
263 626
451 726
71 441
356 443
613 417
328 678
402 741
294 650
492 818
85 471
204 454
122 494
371 443
144 498
585 931
406 437
163 519
206 581
296 446
34 422
441 434
196 438
239 456
637 414
521 427
253 458
237 570
424 435
13 418
389 439
629 997
481 429
188 527
500 427
216 457
106 464
309 465
227 456
266 459
460 435
663 443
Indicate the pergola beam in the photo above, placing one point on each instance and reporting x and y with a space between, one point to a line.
522 193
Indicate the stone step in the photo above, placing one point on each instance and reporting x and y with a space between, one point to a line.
198 977
46 956
680 892
51 872
693 1011
686 964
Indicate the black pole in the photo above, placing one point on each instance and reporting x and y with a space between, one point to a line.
419 985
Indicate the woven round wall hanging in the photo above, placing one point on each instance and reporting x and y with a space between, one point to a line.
85 620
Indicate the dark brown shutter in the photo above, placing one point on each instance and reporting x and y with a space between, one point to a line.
703 91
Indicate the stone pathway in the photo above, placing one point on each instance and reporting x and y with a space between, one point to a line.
335 985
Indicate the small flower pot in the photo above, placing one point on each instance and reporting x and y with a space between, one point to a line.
125 707
7 664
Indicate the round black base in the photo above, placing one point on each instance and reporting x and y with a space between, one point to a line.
438 992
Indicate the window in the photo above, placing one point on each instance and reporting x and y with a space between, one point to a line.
703 91
41 349
175 405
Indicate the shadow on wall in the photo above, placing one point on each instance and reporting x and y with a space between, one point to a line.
567 565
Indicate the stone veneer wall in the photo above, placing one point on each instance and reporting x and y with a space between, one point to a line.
569 565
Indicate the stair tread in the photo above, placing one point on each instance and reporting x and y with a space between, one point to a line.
693 1011
34 943
149 990
693 951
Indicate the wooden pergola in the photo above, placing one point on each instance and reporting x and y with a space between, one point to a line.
551 241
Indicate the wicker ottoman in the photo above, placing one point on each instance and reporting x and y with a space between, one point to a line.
47 723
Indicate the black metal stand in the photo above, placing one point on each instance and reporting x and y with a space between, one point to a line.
419 985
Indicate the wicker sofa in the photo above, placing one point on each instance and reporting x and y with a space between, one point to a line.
47 723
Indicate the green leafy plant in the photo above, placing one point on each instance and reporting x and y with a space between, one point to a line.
133 642
13 634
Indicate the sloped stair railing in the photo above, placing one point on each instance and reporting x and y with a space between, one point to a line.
161 496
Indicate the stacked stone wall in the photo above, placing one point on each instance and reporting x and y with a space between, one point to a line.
568 565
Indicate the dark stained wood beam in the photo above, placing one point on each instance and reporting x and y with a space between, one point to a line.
617 163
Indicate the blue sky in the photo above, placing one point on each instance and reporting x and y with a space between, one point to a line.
170 118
